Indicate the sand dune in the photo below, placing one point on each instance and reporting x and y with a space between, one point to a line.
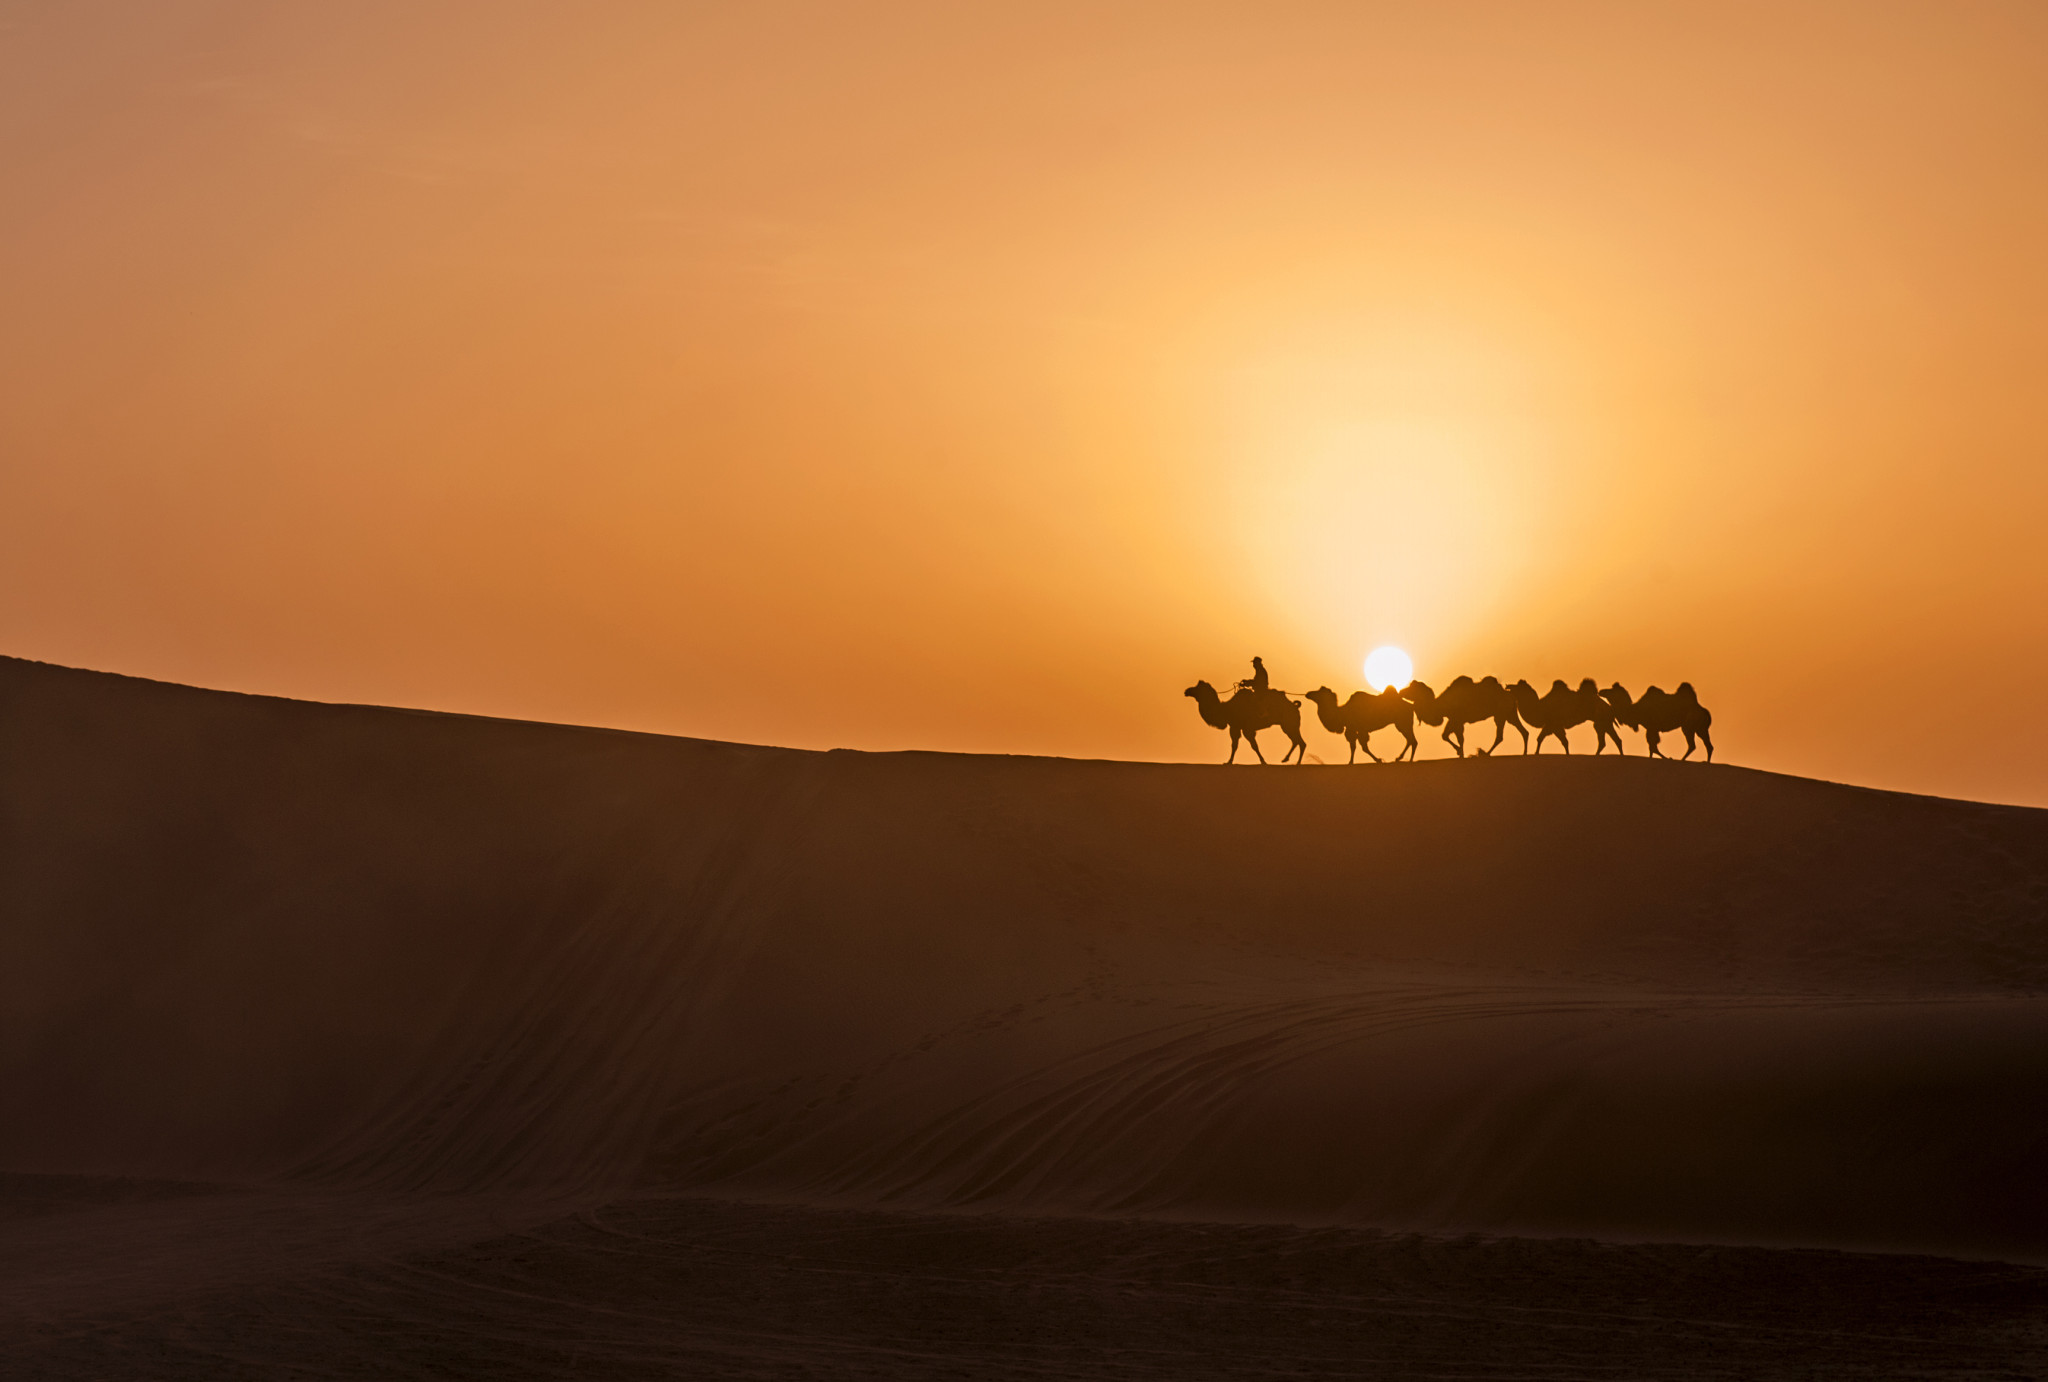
370 954
252 939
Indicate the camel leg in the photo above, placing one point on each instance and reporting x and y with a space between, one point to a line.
1708 740
1234 737
1300 750
1365 742
1251 736
1690 745
1653 738
1500 732
1351 742
1409 735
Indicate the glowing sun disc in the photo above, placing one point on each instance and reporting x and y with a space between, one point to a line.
1386 667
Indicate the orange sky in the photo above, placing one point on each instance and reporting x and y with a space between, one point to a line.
976 377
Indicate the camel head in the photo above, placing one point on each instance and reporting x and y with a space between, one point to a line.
1210 706
1326 709
1418 694
1619 702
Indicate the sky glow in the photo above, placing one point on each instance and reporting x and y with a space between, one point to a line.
629 364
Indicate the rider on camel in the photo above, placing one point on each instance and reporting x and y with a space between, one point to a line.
1257 680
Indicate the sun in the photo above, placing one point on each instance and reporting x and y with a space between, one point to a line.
1389 666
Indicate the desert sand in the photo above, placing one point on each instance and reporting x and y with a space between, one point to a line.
343 1040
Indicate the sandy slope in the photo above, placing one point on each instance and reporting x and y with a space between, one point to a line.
365 952
250 937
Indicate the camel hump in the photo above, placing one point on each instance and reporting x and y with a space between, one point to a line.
1685 690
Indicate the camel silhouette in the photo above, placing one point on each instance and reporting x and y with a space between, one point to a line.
1662 712
1467 702
1560 708
1358 717
1248 712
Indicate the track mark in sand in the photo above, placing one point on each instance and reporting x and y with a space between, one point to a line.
663 1288
1141 1122
556 1071
1121 1111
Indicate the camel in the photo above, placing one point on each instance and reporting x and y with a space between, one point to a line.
1358 717
1560 708
1467 702
1662 712
1248 712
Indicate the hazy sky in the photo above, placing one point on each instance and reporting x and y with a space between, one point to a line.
976 377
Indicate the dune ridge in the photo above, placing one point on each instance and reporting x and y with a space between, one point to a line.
258 941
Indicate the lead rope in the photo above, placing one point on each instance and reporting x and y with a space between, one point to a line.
1238 685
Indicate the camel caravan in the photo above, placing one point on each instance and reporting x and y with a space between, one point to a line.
1254 705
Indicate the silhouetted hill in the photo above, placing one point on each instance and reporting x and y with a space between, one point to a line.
258 940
